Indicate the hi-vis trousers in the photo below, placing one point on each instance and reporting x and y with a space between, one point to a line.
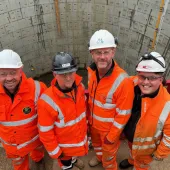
139 162
22 163
105 153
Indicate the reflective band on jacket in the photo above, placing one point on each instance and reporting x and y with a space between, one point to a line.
104 106
147 139
45 128
74 144
143 146
114 87
28 142
62 123
135 80
37 91
59 125
56 150
19 122
25 121
111 120
118 125
20 145
72 122
109 104
162 118
49 101
123 112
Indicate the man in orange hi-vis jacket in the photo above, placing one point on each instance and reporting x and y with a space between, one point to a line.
18 113
110 99
62 116
148 129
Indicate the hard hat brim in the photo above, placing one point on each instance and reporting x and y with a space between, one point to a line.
102 46
10 66
66 71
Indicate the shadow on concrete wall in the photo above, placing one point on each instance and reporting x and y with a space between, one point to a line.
47 78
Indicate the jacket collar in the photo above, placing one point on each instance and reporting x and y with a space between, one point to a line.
109 72
56 90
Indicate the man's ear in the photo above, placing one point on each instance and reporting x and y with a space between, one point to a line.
92 56
113 52
21 70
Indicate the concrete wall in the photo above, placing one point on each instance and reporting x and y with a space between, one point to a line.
29 27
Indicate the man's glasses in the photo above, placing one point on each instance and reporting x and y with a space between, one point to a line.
149 78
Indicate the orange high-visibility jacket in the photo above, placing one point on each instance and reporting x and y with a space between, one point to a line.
110 100
152 134
62 121
18 119
134 79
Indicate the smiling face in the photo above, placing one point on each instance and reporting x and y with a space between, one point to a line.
149 82
103 58
10 78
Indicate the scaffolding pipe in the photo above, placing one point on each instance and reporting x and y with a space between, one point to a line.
162 11
57 16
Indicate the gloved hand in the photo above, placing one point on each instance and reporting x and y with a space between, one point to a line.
106 141
61 156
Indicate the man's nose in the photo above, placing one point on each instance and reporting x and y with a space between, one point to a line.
146 80
68 77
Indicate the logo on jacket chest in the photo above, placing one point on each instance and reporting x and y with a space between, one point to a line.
26 110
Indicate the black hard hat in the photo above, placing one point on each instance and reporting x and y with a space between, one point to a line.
64 63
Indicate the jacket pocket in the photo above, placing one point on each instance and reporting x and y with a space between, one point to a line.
2 113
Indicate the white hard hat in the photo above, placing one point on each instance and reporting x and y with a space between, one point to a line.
102 39
152 62
10 59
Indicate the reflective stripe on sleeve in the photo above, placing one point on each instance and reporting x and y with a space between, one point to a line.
123 112
45 128
72 122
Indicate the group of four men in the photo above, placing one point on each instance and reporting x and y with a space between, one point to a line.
137 107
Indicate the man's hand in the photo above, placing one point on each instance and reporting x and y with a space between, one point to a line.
106 141
61 156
